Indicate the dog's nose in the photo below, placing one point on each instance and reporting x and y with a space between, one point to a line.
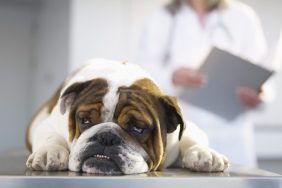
108 139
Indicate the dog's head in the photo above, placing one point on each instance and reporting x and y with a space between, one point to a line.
117 129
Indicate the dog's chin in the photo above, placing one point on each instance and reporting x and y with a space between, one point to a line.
100 166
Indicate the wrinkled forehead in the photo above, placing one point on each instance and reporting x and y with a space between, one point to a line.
136 94
104 99
112 76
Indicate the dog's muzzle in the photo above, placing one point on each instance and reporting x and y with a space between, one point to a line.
107 149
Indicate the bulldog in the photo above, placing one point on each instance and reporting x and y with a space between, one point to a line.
112 118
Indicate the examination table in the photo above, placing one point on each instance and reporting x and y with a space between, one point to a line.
13 173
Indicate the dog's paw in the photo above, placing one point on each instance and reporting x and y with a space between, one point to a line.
202 159
50 158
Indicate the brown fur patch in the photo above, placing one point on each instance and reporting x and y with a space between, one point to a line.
90 101
149 86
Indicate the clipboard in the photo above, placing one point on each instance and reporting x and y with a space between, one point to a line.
225 73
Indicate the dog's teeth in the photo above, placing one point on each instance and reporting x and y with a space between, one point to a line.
102 156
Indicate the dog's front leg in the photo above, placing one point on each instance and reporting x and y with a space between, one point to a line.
49 151
196 155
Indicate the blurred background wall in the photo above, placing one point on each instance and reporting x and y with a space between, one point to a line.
42 40
34 59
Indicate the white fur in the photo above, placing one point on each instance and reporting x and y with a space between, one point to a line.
110 101
49 134
193 152
43 114
203 159
49 157
135 162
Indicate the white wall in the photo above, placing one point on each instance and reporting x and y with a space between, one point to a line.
34 55
108 29
97 30
51 49
15 56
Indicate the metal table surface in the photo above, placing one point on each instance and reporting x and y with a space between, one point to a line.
13 173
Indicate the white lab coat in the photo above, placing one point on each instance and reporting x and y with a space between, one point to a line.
236 29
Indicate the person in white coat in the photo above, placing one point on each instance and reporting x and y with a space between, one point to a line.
175 41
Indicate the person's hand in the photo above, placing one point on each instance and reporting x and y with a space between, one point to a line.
187 77
249 97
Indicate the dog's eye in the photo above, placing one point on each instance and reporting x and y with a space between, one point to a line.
137 129
85 123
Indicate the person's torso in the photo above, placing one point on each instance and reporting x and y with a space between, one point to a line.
191 41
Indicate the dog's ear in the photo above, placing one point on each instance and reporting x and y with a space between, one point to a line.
173 115
70 94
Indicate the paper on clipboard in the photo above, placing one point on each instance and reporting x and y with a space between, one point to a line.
225 73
